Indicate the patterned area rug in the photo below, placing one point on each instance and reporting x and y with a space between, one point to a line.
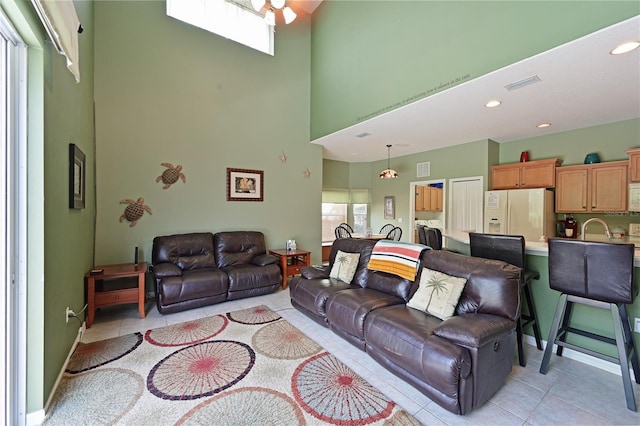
248 367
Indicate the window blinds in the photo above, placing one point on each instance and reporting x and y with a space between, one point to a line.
61 22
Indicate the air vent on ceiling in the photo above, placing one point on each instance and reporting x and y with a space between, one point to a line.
522 83
363 135
423 169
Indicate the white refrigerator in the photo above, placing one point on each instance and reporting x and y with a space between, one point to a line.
527 212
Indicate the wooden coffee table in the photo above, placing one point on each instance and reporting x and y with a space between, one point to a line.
291 261
115 295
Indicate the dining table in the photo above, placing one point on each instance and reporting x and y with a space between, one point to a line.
369 237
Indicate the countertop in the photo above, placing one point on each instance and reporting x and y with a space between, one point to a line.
541 248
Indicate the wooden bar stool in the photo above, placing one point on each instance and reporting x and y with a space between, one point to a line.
510 249
598 275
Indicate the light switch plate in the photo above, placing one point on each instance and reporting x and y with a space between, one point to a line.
634 229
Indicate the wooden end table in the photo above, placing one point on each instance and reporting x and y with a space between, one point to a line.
116 296
291 261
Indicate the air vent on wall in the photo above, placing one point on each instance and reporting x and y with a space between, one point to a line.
423 169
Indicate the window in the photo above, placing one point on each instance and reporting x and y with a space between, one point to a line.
234 20
333 214
360 218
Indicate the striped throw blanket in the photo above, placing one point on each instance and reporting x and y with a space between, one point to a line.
397 258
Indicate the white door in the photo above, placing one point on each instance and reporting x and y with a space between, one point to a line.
465 201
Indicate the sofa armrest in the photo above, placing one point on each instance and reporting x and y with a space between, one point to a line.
315 272
264 260
474 330
162 270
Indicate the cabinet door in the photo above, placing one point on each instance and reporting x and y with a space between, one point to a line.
538 175
505 177
439 199
609 188
571 190
634 166
433 197
423 200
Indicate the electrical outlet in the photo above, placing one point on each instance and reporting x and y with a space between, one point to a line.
636 325
634 229
69 314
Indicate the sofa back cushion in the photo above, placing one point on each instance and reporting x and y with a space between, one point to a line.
492 286
187 251
351 245
237 247
390 284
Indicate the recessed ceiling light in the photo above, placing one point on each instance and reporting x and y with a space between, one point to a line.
543 125
492 104
625 47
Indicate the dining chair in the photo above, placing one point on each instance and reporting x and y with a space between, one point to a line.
433 236
510 249
422 234
342 232
346 225
599 275
386 228
395 234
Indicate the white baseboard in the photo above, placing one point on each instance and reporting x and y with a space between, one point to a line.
37 417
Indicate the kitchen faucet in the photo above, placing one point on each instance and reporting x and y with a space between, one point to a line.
595 219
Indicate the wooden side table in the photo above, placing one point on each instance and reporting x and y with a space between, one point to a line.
291 261
117 295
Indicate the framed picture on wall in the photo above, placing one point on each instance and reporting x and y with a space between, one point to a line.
389 207
245 185
77 175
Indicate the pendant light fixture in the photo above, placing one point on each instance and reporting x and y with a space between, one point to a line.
272 5
388 173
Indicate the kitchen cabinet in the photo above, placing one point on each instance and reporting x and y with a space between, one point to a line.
634 164
528 174
428 198
597 188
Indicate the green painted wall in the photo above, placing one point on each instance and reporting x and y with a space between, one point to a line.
169 92
60 240
370 57
69 233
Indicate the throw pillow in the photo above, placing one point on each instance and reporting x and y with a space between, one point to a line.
344 266
437 293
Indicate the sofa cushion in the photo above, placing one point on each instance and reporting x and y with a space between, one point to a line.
245 277
390 284
352 245
193 284
237 247
344 267
187 251
312 295
437 294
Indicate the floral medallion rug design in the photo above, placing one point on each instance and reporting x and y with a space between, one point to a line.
248 367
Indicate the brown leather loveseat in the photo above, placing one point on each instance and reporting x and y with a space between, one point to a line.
459 362
199 269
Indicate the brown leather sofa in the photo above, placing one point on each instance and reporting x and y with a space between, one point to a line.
199 269
460 362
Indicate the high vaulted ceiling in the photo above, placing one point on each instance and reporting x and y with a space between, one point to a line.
581 85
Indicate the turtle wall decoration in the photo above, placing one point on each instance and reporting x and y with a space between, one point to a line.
134 211
171 175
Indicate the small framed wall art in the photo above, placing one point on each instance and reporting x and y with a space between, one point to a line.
77 174
245 185
389 207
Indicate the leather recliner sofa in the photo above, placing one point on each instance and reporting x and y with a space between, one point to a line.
459 362
199 269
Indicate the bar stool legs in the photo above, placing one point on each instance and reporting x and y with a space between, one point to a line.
527 320
623 340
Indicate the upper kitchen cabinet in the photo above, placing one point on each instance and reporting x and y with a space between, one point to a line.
528 174
597 188
634 164
428 198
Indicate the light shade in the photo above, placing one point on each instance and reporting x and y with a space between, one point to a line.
270 17
388 173
289 15
257 4
278 4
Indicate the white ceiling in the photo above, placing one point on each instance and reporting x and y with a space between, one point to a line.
582 85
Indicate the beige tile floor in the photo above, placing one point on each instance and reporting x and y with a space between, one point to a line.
571 393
